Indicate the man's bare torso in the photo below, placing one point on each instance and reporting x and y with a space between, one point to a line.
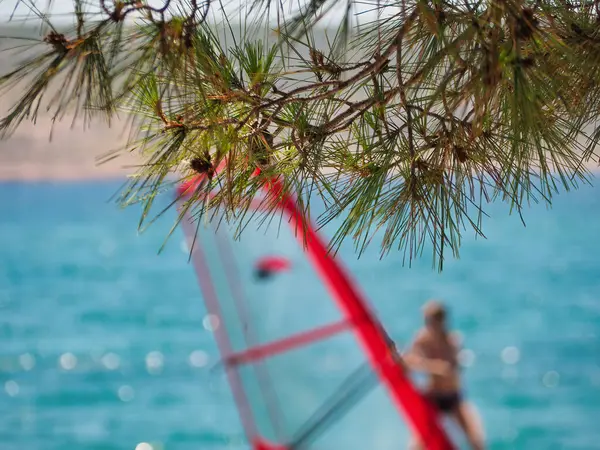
442 348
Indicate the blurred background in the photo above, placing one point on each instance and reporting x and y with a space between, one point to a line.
106 345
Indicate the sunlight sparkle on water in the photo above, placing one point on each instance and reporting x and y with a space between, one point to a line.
126 393
12 388
154 361
211 322
466 357
510 355
198 358
143 446
68 361
551 379
111 361
27 361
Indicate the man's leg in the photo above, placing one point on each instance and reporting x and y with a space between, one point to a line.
468 421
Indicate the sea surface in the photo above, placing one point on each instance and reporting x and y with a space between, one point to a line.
106 345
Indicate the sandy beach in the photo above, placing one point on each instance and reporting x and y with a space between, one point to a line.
29 154
71 153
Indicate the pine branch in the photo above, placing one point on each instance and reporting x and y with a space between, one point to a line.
407 125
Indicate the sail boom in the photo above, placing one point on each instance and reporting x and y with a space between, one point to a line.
259 352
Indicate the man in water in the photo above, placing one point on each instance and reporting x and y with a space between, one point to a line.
435 351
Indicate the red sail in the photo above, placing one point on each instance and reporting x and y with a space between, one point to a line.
285 399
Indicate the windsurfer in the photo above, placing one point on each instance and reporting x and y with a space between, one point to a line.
435 351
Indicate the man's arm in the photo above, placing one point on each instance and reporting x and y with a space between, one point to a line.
416 359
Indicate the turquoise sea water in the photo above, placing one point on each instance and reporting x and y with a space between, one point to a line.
103 343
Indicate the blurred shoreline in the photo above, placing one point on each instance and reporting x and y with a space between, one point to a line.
70 155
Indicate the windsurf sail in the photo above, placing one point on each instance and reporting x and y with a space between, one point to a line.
308 363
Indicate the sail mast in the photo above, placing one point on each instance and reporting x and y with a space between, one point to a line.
410 402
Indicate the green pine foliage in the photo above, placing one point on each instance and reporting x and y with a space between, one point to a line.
406 123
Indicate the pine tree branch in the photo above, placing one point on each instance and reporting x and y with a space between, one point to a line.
406 127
